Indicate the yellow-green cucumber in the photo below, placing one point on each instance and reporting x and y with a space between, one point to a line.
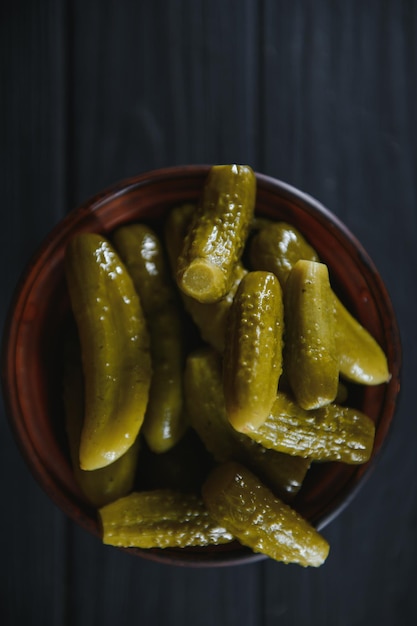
114 346
252 362
359 356
143 254
210 318
108 483
330 433
237 500
160 518
309 355
276 247
218 232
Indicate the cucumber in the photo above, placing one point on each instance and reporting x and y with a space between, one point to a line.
237 500
330 433
309 356
276 247
210 318
359 356
144 257
115 349
218 232
253 352
108 483
161 518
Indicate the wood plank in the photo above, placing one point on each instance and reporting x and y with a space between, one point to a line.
32 179
113 587
180 89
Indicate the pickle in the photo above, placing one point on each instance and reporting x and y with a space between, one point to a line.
331 433
359 356
309 356
284 474
115 349
253 353
143 255
241 503
160 519
217 234
209 318
109 483
277 247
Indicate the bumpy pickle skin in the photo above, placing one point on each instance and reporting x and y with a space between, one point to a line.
277 247
210 318
241 503
253 353
218 232
115 349
330 433
109 483
309 355
160 518
144 257
284 474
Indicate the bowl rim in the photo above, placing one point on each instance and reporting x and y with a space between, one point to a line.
55 238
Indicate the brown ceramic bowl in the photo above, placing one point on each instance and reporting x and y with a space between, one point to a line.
32 350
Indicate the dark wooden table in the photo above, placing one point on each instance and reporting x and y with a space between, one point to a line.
320 94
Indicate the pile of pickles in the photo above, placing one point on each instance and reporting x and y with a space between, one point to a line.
207 373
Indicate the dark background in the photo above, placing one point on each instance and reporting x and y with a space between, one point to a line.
321 94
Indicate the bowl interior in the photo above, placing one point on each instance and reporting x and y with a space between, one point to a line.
34 337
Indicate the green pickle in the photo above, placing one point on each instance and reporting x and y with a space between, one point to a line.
144 257
284 474
237 500
106 484
217 233
115 349
330 433
309 356
360 358
253 354
161 518
209 318
276 247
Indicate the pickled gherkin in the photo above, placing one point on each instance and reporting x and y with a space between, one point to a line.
160 519
284 474
108 483
210 318
330 433
115 349
253 354
360 358
237 500
143 254
276 247
309 356
218 232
